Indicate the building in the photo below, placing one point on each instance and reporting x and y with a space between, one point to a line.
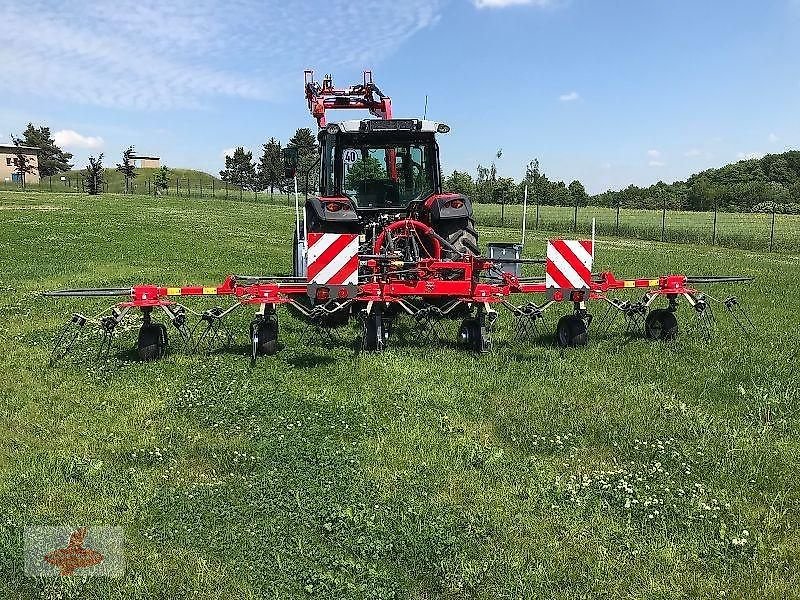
146 162
8 163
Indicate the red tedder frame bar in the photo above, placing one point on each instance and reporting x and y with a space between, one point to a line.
393 281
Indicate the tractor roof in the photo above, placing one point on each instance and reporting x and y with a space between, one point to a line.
384 125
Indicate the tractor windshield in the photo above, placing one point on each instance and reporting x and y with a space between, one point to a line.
387 175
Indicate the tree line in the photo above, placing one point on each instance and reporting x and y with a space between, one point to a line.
267 172
754 185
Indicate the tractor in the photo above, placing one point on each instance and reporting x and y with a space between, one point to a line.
380 180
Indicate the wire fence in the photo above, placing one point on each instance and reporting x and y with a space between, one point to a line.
182 187
771 232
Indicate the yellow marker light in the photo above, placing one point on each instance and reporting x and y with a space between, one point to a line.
654 283
630 284
210 291
173 291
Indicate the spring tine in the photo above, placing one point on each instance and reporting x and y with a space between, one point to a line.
66 339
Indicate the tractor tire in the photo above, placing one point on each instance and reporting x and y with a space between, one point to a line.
571 332
152 342
461 234
661 324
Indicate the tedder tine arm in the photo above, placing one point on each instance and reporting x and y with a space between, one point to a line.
88 293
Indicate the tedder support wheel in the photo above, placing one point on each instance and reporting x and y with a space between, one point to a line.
661 324
461 234
374 332
264 336
572 331
469 333
152 343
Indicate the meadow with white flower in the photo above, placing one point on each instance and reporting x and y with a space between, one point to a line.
626 469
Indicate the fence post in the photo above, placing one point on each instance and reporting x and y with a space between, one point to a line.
575 217
503 211
51 182
714 228
241 191
664 219
772 228
188 187
212 186
616 224
177 186
537 208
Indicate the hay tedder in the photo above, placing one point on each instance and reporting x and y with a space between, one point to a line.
381 241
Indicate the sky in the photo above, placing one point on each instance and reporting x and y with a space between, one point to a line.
607 92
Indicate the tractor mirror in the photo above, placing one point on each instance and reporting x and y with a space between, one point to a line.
290 162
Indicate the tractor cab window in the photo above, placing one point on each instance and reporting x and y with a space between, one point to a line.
387 176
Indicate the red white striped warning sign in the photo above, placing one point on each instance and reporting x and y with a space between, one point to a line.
569 264
333 258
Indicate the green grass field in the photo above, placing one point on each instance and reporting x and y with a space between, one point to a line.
623 470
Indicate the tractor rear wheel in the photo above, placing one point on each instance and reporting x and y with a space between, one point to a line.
571 332
661 324
152 342
461 234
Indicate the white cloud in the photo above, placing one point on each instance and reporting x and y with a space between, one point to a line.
692 152
150 54
505 3
569 97
68 138
773 138
749 155
654 153
656 163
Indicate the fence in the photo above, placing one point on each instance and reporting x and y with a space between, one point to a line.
753 231
183 187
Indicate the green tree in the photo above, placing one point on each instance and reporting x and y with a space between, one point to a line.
22 164
239 169
270 166
161 180
127 167
52 159
95 174
577 193
460 183
307 159
369 168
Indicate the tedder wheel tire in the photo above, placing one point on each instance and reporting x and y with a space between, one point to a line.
373 333
152 343
571 332
469 333
661 324
266 336
461 233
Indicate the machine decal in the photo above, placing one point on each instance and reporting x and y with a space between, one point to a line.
333 258
569 264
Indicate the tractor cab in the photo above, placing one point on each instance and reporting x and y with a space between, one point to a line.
380 165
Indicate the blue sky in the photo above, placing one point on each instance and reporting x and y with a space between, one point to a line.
608 92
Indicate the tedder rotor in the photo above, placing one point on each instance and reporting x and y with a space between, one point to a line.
381 240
